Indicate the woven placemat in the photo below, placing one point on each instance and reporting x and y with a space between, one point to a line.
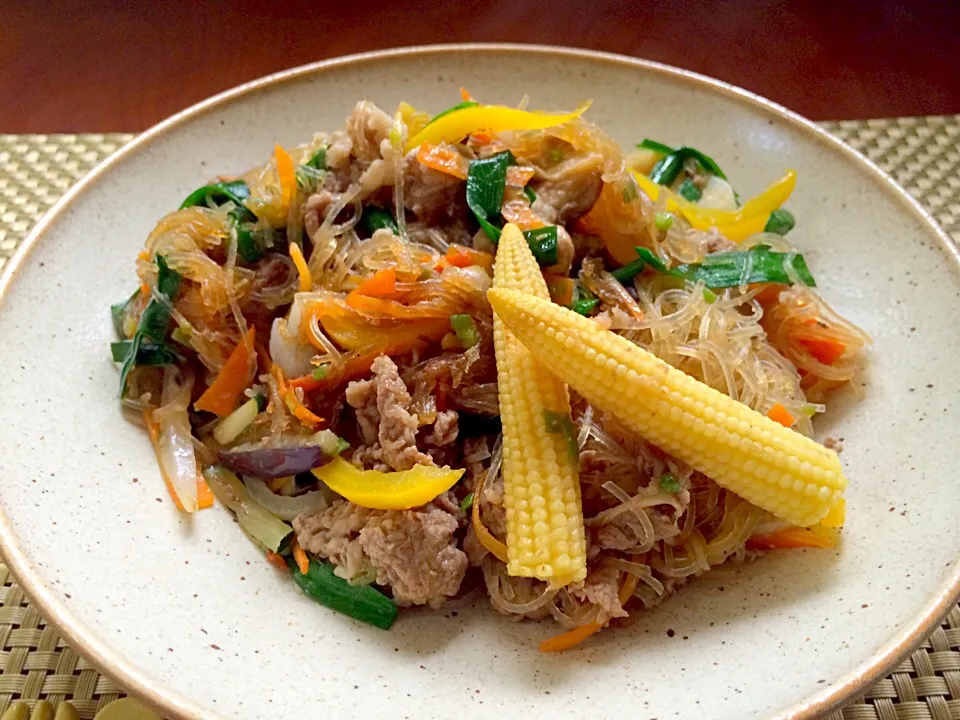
922 154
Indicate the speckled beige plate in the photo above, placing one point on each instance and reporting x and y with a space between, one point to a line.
185 612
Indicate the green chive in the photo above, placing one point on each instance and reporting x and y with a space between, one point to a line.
663 221
689 190
376 218
657 147
781 222
466 503
626 273
543 244
261 402
669 483
465 329
318 161
709 296
585 306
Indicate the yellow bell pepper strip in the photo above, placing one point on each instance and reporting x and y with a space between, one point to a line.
735 225
387 490
303 270
287 175
795 537
455 126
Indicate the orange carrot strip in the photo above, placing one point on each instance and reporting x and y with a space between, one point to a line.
234 377
565 641
382 283
306 278
519 176
781 415
204 493
460 256
278 562
824 349
300 412
443 159
794 537
560 287
486 538
467 97
287 176
303 562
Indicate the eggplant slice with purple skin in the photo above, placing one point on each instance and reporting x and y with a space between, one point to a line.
289 457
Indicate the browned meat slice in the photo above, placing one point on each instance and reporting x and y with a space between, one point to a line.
445 429
569 189
601 588
414 552
434 197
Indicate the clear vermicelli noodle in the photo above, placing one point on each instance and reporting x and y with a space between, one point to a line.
313 343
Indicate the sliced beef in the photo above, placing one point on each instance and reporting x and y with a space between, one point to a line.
601 588
434 197
569 189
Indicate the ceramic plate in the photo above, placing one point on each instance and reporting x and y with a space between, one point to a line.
186 612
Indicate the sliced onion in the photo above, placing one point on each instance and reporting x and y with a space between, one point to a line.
718 195
286 508
288 352
253 517
174 443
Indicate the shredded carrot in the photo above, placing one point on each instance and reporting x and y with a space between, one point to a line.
824 349
300 412
279 379
204 494
467 97
382 283
278 562
306 279
394 310
560 287
519 176
519 213
486 538
287 176
795 537
443 159
301 557
460 256
781 415
234 377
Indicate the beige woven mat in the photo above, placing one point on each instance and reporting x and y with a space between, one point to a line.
922 154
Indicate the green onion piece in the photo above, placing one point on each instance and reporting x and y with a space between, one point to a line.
118 311
530 194
235 191
689 190
148 353
560 423
376 218
318 161
341 446
320 372
543 244
663 221
652 260
261 401
459 106
666 171
155 320
486 181
626 273
781 222
361 602
709 296
756 265
669 483
657 147
584 306
466 503
466 330
808 410
249 246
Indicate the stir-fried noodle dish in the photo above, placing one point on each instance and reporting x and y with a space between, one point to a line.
490 353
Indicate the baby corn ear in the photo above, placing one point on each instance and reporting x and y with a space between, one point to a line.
769 465
545 535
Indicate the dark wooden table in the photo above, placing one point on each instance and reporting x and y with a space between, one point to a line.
122 65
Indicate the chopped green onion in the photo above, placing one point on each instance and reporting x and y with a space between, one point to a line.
808 410
486 181
560 423
320 372
459 106
655 146
669 483
155 320
466 503
543 244
668 168
465 329
584 306
626 273
361 602
652 260
781 222
530 194
689 190
709 296
663 221
756 265
248 240
376 218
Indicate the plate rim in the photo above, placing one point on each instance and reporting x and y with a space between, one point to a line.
108 661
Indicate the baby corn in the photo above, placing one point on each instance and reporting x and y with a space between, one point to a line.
769 465
545 535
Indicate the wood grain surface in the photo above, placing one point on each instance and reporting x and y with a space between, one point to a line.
122 65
